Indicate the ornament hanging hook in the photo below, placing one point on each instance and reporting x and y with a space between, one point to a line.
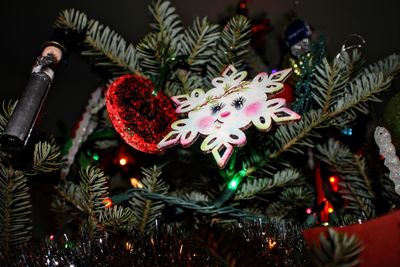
360 42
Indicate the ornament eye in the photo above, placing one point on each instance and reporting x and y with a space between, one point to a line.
217 107
238 102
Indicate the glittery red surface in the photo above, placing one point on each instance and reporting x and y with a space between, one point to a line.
141 118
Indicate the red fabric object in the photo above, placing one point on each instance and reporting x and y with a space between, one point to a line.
141 118
380 237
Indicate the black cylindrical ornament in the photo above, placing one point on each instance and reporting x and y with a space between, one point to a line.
24 117
27 110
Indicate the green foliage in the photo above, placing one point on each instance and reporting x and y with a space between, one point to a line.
15 209
158 49
69 201
290 201
167 23
85 203
94 191
252 187
46 158
153 54
174 59
5 113
387 189
337 100
116 218
231 47
72 19
336 249
108 49
389 66
331 79
199 42
146 211
15 205
294 137
183 82
355 185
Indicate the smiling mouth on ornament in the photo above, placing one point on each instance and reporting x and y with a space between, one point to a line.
218 124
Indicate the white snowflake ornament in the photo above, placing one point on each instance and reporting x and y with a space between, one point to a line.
224 112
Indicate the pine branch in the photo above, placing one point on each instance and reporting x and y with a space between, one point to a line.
116 218
388 192
46 158
157 50
188 80
69 199
72 19
293 137
146 211
331 79
199 42
15 210
153 54
94 191
290 200
231 47
251 188
362 89
107 48
110 50
5 114
167 23
337 249
356 187
389 66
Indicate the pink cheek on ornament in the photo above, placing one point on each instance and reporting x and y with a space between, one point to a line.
205 122
252 109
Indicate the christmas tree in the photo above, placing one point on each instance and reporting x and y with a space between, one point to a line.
134 189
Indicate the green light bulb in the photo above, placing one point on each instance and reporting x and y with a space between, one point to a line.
96 157
237 178
233 185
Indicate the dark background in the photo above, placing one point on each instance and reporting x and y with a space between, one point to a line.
26 25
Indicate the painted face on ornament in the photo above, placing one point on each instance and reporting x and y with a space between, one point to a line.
223 113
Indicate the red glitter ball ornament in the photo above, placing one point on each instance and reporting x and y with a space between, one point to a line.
140 117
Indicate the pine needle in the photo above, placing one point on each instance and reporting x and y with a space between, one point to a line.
337 249
46 158
252 187
5 113
167 23
15 209
355 185
147 211
109 51
359 91
199 42
94 191
231 47
291 199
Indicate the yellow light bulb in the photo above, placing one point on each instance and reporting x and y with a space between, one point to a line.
136 183
122 161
